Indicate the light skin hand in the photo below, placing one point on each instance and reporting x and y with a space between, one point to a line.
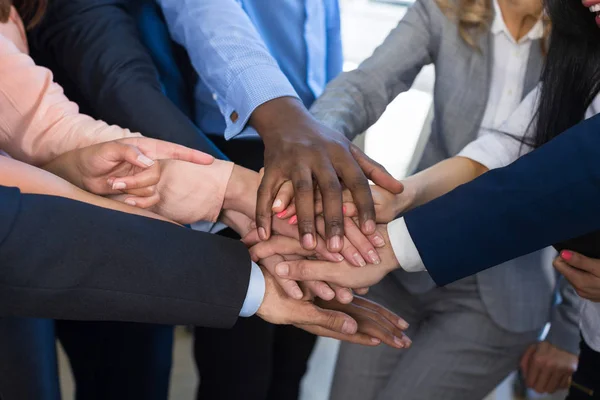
582 272
343 274
331 319
298 148
123 166
286 248
547 368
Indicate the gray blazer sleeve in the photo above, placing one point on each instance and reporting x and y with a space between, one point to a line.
355 100
564 329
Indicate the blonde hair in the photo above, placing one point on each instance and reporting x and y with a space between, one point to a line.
474 17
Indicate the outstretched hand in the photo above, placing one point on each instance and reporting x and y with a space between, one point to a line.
125 166
362 321
309 154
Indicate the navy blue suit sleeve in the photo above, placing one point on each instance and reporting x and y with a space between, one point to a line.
64 259
546 197
94 48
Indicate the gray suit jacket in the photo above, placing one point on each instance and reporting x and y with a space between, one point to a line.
519 295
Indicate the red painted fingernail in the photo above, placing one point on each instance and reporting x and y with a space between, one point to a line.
281 214
293 220
566 255
344 210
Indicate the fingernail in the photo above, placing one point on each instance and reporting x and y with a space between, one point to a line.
344 210
378 241
348 328
130 202
374 257
335 243
308 241
359 260
370 226
328 294
298 293
399 342
375 340
277 203
407 342
148 162
346 296
338 257
293 220
282 214
119 185
566 255
262 233
110 181
282 270
402 324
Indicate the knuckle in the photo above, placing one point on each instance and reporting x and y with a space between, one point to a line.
331 321
303 186
332 187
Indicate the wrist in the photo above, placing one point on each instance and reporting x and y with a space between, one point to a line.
271 117
408 199
240 194
67 167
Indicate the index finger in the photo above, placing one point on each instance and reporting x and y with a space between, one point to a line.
161 150
268 188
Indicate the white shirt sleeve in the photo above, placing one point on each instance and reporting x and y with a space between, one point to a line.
404 248
255 294
499 148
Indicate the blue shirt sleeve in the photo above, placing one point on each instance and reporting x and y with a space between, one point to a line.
255 294
229 56
335 53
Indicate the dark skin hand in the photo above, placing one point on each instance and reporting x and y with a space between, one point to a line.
300 149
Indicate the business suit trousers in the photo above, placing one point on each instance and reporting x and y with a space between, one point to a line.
586 380
28 362
254 360
458 352
109 360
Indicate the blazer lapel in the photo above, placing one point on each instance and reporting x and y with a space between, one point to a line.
534 67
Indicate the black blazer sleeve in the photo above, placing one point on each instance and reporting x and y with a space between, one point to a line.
63 259
94 49
546 197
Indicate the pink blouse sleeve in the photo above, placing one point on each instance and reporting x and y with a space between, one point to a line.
37 122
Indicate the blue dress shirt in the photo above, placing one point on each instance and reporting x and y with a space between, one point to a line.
248 52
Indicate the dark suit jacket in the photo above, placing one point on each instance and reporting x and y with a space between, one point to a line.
546 197
97 54
68 260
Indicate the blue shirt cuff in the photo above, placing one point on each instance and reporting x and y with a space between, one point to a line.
255 294
252 88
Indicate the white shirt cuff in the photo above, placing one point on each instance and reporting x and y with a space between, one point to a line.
207 226
255 294
404 248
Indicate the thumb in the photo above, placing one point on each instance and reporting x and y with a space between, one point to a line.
376 172
526 359
335 321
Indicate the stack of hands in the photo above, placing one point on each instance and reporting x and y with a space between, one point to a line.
315 262
312 274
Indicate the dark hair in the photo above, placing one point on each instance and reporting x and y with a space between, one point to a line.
30 10
571 75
